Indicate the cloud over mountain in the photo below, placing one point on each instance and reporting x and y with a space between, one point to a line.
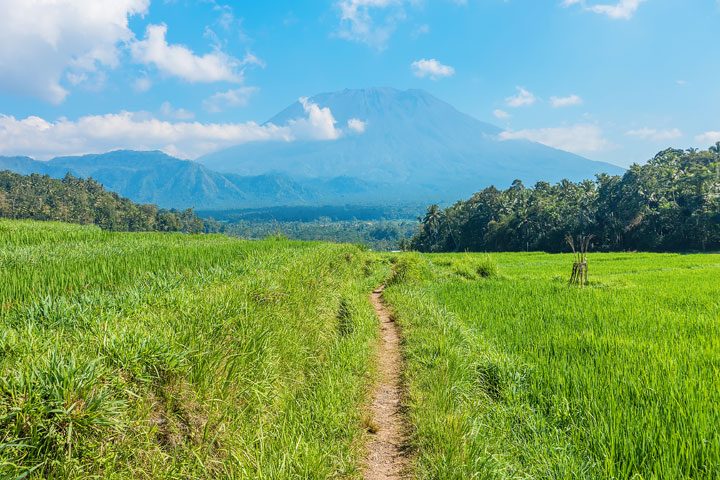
41 138
415 143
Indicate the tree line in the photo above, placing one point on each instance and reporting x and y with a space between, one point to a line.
85 201
671 203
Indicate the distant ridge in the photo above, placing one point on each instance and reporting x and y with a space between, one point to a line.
419 146
415 149
158 178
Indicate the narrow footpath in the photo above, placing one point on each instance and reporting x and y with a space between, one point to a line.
387 449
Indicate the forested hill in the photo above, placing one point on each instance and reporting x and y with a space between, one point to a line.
672 203
76 200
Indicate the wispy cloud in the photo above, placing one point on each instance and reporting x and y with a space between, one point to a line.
655 134
582 138
359 22
569 101
523 98
708 138
431 68
142 84
622 10
168 111
501 114
233 98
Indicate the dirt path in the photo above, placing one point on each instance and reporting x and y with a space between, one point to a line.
387 455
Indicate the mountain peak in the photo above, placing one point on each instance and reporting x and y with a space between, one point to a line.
387 107
418 144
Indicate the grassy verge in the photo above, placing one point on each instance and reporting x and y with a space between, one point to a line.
175 356
513 374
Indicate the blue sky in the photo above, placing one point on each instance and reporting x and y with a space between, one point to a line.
613 80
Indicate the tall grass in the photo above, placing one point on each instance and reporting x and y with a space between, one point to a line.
176 356
522 376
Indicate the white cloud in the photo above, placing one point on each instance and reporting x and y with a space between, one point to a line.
654 134
501 114
521 99
319 123
569 101
708 138
357 23
233 98
356 125
431 68
179 61
583 138
96 133
41 41
168 111
43 139
622 10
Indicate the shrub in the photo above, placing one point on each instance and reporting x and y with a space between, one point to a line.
487 267
408 268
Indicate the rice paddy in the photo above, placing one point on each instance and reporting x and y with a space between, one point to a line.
201 356
176 356
518 375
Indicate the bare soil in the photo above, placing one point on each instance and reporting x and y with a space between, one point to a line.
387 454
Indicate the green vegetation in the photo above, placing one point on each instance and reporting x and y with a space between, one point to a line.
130 355
672 203
165 355
512 373
380 228
74 200
309 213
382 235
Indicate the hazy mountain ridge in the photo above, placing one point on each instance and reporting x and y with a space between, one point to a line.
155 177
410 147
420 146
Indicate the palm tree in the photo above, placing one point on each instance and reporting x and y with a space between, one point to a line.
715 148
433 215
431 224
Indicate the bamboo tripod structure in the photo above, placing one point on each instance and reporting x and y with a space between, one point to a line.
580 265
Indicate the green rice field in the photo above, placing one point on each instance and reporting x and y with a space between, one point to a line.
518 375
130 355
175 356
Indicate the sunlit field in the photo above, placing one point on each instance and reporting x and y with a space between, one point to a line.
128 355
514 374
176 356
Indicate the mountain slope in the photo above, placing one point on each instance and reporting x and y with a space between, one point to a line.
421 147
158 178
406 147
153 177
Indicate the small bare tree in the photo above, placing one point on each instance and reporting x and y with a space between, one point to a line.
580 265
